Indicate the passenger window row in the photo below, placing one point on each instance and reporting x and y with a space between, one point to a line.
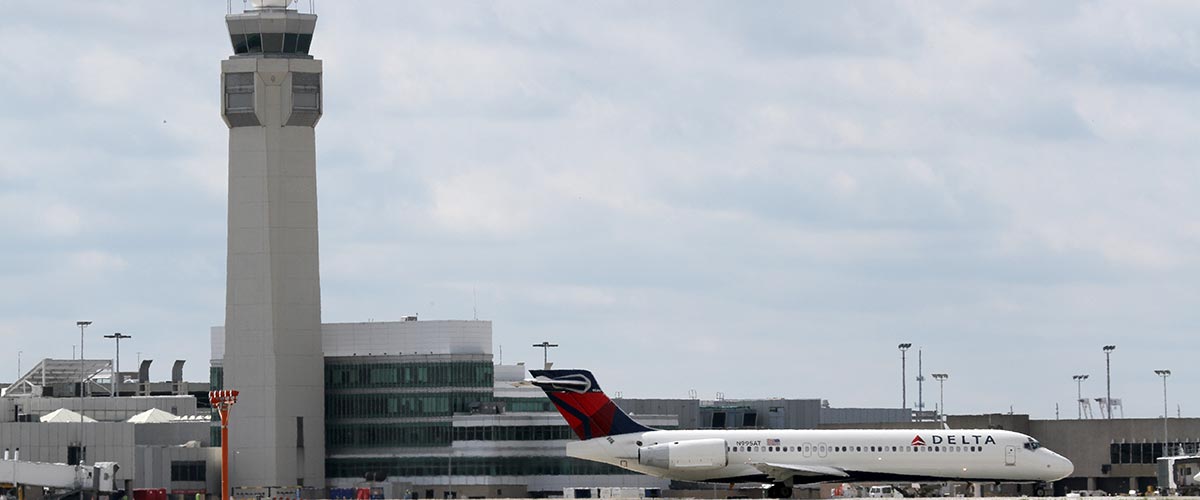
854 449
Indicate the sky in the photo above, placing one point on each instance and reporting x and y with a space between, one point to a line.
760 200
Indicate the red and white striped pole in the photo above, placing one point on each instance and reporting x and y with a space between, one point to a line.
222 401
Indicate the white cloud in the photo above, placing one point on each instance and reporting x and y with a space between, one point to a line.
35 216
93 263
749 186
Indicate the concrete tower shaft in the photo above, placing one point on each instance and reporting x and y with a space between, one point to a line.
271 101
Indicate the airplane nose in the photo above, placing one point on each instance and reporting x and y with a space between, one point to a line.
1060 467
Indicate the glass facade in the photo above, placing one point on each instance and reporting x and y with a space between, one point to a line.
376 405
1148 453
514 433
366 375
728 417
537 405
377 402
406 435
216 378
271 43
216 382
466 466
416 435
396 403
188 470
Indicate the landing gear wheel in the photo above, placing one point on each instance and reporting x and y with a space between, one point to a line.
779 490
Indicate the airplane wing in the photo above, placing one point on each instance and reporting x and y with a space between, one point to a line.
781 472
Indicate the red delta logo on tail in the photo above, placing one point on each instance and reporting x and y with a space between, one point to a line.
585 407
917 441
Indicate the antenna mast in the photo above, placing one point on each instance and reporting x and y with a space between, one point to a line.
920 385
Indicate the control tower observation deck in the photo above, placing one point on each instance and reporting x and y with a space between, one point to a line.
271 101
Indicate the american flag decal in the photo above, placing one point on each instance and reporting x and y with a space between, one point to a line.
772 442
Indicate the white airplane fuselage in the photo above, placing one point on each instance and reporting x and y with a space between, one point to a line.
828 455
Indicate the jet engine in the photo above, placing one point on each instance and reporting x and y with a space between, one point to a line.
695 454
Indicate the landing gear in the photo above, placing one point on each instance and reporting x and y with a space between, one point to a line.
779 490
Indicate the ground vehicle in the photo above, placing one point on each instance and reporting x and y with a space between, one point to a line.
1178 474
883 491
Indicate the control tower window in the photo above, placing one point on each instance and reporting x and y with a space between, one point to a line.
272 43
303 42
254 42
289 42
240 45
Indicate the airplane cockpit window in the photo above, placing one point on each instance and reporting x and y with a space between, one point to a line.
1032 444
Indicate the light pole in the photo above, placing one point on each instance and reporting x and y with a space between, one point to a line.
1164 374
1108 349
222 401
19 353
545 345
82 389
1079 393
117 373
903 374
941 378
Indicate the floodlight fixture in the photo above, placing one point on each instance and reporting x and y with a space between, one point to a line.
904 374
117 370
545 345
941 378
1108 349
1164 374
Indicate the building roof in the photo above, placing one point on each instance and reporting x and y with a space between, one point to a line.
152 416
49 372
392 338
63 415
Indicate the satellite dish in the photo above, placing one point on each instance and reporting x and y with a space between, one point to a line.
271 4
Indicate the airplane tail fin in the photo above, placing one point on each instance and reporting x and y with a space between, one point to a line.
586 408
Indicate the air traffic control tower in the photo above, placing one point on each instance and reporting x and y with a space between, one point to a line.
271 101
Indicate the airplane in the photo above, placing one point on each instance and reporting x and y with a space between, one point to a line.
785 458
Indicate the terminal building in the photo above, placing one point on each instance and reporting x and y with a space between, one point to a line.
1115 456
1111 455
418 409
83 412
